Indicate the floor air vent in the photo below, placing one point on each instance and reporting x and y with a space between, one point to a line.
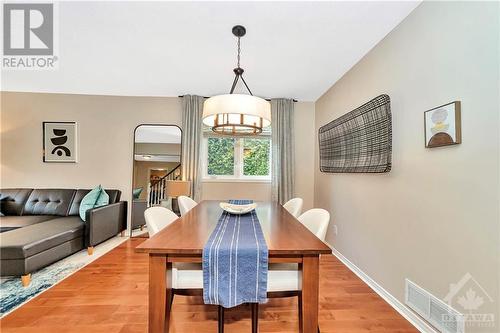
438 313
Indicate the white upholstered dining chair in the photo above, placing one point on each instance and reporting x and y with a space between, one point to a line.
294 206
187 278
284 280
185 204
316 220
158 218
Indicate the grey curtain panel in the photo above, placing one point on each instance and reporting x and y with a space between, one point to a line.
283 157
192 111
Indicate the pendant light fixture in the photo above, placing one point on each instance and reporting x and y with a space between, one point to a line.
237 114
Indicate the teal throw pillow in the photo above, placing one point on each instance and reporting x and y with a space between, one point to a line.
95 198
136 192
103 199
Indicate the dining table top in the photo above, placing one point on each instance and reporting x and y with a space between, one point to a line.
187 235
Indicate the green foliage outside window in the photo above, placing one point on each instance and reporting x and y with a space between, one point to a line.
222 159
220 156
256 157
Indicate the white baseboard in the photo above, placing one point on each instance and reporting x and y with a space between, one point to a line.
408 314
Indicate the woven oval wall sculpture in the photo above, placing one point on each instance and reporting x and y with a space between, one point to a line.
360 141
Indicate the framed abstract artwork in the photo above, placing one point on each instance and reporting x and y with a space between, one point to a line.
60 142
360 141
443 125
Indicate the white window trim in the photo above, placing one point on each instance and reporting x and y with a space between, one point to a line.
238 164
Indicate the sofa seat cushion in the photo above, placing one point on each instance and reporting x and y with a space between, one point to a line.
28 241
23 221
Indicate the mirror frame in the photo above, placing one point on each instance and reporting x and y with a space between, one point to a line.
133 167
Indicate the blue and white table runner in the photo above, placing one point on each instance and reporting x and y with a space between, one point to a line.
235 261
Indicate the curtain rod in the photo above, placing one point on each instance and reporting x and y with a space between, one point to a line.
267 99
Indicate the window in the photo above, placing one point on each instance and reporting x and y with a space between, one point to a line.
256 157
220 157
227 158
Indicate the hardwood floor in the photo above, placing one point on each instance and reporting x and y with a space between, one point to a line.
110 296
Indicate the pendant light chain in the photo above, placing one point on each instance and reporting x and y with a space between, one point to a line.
239 52
238 71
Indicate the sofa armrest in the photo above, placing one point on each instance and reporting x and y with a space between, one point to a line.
105 222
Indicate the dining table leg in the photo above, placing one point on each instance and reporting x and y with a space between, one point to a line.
310 294
160 289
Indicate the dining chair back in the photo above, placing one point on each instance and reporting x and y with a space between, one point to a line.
186 204
158 218
316 220
294 206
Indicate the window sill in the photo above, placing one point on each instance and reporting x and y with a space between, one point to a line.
235 180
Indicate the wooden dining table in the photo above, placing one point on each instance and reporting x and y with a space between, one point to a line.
288 241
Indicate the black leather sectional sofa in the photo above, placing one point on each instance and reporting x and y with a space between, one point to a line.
42 226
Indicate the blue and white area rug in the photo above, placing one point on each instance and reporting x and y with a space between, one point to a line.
13 294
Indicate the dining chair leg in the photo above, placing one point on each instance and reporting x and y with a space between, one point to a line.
220 318
170 299
255 317
300 308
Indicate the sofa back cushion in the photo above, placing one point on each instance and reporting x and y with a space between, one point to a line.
12 200
114 197
49 202
75 205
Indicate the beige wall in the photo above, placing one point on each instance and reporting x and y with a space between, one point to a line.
105 141
105 138
305 141
258 191
435 216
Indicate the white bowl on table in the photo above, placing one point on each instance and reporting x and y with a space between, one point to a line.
237 209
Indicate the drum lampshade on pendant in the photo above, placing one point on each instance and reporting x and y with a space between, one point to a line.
237 114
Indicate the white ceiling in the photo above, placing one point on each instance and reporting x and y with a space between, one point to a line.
157 134
292 49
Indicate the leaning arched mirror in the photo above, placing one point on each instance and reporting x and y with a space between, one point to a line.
157 162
